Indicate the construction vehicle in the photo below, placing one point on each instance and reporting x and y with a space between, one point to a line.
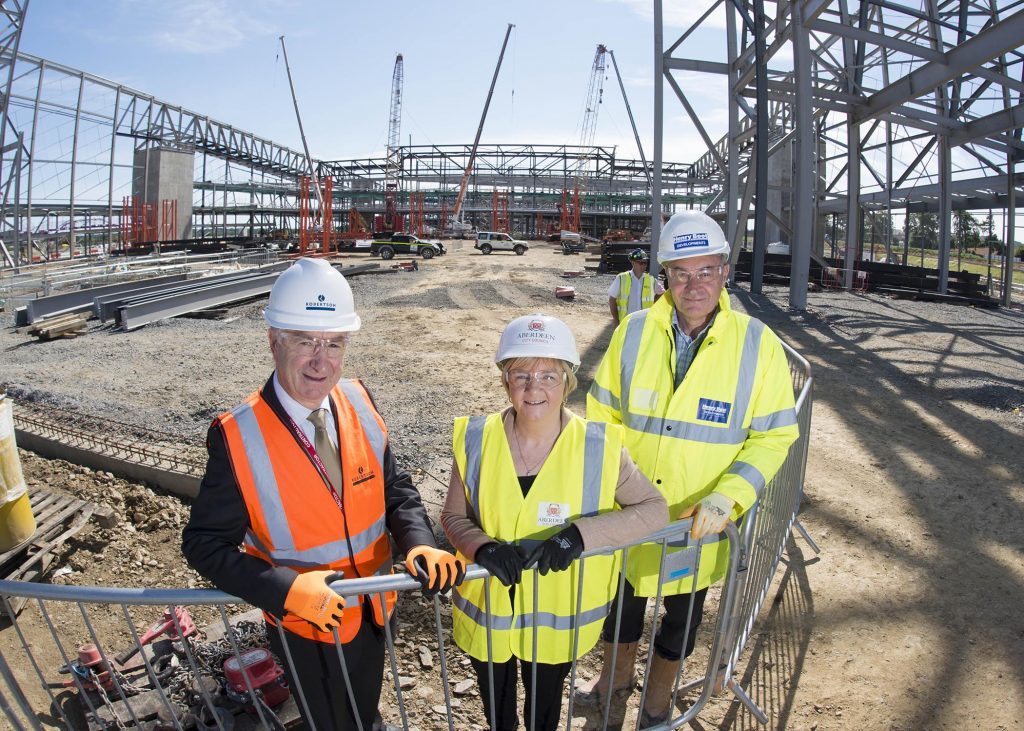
488 241
406 244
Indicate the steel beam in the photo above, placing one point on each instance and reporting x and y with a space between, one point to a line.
134 316
988 44
803 203
46 306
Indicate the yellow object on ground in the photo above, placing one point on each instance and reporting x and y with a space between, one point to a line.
17 524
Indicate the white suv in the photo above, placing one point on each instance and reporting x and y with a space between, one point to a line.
488 241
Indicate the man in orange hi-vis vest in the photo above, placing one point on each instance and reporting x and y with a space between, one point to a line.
301 476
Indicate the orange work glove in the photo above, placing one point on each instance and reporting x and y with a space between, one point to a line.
713 513
436 570
312 599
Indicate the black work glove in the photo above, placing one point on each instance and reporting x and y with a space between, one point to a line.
557 552
503 560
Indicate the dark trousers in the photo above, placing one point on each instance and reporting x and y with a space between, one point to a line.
317 670
550 684
669 639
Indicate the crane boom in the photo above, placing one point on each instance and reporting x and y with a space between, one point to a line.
595 96
395 122
302 133
479 130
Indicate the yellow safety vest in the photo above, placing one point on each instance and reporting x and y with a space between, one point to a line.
578 479
727 428
626 284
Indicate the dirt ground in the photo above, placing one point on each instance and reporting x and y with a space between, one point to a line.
909 618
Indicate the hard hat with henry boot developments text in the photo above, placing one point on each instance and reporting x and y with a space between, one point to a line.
691 233
538 336
312 295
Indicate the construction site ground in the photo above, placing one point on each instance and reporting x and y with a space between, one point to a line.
910 617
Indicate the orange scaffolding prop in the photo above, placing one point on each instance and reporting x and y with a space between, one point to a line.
416 213
168 219
570 220
328 215
499 211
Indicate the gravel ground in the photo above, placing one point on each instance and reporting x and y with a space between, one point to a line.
908 618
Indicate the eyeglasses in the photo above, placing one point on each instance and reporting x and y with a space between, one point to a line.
544 379
307 347
701 276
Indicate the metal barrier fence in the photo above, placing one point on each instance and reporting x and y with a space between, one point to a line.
176 683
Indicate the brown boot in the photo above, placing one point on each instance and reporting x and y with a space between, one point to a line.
594 692
658 688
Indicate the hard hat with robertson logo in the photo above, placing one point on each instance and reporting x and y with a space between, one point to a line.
691 233
312 295
538 336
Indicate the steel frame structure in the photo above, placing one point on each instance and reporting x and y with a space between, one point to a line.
881 105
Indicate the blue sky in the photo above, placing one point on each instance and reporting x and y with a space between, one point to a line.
222 58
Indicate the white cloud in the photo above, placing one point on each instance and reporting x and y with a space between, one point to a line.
212 26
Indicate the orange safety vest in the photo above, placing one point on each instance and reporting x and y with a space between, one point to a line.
293 518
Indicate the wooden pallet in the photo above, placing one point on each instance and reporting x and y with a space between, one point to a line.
58 517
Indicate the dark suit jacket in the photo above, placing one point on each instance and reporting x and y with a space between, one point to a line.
217 525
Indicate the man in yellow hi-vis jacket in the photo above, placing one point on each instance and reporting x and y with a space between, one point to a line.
705 396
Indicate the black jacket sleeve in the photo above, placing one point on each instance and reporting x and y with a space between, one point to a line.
215 530
406 517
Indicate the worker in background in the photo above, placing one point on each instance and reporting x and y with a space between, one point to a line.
635 289
531 488
705 397
302 477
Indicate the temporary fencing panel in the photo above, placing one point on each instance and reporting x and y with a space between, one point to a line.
176 679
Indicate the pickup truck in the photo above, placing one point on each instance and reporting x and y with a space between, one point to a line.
488 241
406 244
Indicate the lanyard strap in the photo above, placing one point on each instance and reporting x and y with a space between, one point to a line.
317 462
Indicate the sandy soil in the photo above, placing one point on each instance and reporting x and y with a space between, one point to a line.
909 618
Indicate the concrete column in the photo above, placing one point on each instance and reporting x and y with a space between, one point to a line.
164 174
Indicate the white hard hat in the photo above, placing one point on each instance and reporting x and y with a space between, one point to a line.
691 233
312 295
538 336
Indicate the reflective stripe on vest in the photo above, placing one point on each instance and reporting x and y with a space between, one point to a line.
268 493
527 621
474 450
696 438
626 280
736 433
367 420
578 479
293 520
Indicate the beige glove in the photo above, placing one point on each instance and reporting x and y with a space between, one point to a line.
713 513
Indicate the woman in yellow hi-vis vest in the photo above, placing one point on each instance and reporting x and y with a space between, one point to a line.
531 488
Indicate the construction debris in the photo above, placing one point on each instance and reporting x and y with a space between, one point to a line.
58 326
565 293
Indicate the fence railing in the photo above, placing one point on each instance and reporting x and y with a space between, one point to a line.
64 670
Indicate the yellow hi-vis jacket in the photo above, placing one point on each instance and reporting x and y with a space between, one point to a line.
727 428
626 284
577 479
